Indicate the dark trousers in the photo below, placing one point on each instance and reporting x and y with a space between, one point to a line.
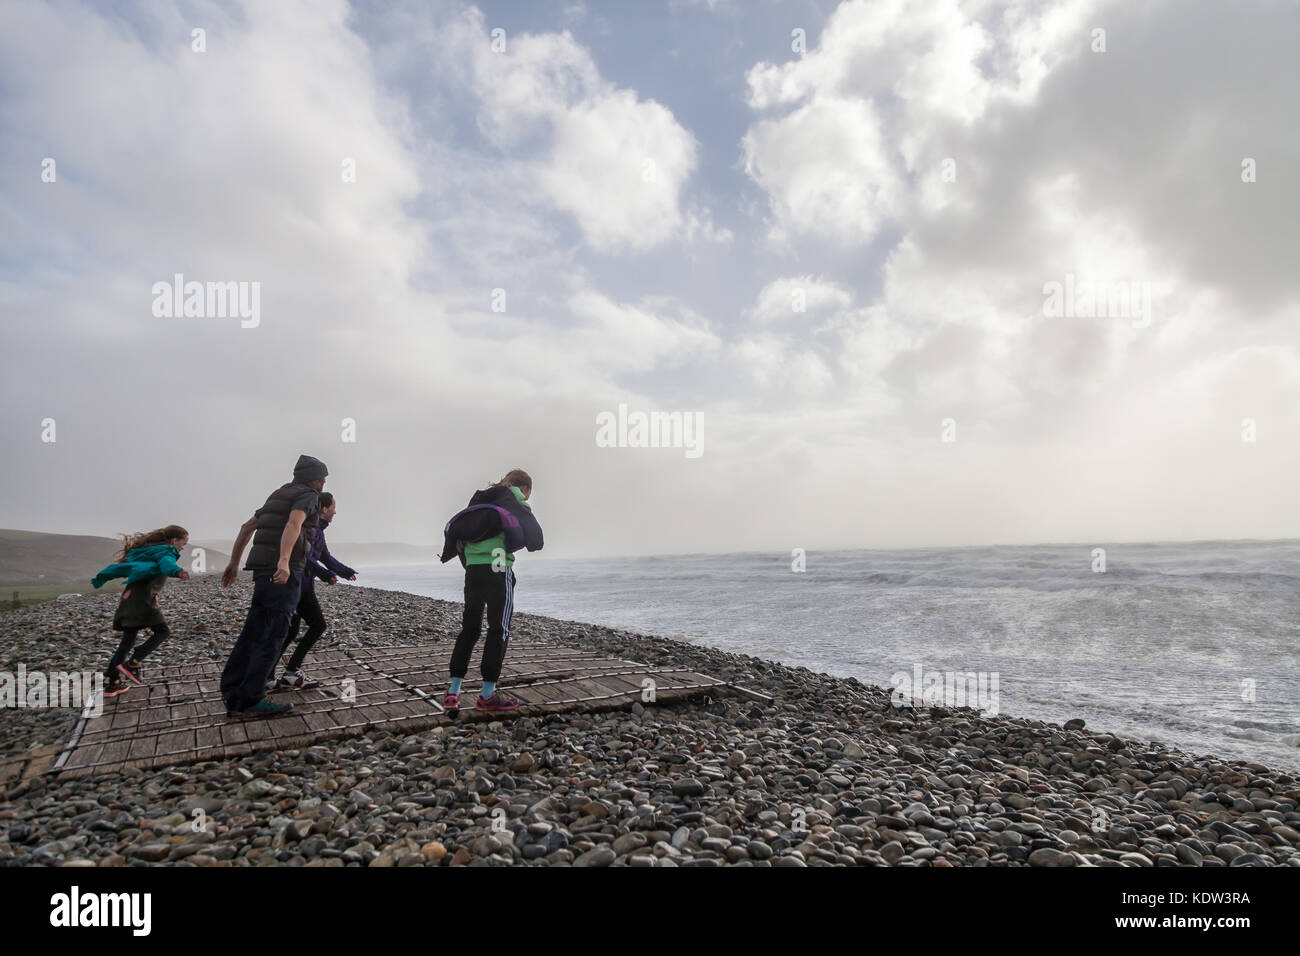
243 682
309 611
160 634
485 588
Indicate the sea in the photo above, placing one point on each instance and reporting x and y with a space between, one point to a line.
1185 645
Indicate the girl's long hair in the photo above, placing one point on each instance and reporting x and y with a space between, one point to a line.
146 538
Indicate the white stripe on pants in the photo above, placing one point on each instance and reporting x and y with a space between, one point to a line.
509 608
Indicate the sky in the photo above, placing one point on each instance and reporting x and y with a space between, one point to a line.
915 273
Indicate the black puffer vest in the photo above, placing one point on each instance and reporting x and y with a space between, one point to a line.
271 519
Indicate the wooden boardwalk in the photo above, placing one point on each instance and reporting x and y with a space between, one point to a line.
179 717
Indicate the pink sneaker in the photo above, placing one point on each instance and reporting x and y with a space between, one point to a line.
451 703
498 701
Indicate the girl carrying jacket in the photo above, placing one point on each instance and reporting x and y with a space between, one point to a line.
146 561
497 522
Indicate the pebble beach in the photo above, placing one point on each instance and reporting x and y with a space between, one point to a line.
829 774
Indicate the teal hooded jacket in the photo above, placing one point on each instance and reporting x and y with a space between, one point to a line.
142 563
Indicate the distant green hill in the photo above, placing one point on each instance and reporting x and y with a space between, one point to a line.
65 562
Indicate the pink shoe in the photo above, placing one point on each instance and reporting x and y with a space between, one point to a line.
498 702
451 703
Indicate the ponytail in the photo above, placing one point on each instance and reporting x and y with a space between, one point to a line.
516 478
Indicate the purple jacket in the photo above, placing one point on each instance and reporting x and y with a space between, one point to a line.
320 563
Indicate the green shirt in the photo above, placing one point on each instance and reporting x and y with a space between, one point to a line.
480 552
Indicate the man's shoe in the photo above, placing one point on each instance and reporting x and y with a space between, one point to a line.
265 708
114 686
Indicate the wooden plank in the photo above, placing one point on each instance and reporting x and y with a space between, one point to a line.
179 741
563 661
428 707
404 708
207 736
365 715
120 714
84 755
691 677
295 723
256 728
417 672
159 696
627 683
142 747
234 736
539 693
116 747
380 661
184 706
565 684
600 687
407 706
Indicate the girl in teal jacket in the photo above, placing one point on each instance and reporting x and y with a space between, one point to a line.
147 561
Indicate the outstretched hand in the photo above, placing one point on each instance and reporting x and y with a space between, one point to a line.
184 575
228 576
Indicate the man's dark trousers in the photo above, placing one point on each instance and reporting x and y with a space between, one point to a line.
243 682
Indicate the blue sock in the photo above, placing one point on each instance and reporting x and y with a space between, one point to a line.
489 688
455 686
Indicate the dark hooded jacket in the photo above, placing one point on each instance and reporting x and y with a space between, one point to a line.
491 512
320 563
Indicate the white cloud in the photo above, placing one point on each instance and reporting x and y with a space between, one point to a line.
616 163
864 120
781 369
798 299
827 170
636 339
924 53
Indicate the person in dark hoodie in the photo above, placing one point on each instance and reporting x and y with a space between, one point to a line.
282 531
497 522
320 564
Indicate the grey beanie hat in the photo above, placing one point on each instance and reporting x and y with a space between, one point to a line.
309 469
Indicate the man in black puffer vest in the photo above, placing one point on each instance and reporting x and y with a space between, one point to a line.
282 531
